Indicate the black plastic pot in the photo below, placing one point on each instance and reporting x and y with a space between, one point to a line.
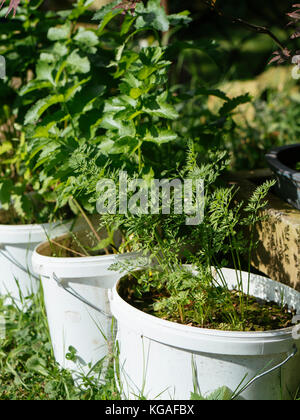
282 160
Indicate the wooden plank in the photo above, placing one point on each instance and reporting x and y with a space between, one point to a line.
278 251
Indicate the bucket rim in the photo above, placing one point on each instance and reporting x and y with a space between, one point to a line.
174 334
18 234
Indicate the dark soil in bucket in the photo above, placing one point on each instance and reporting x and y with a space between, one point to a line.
73 246
77 245
261 315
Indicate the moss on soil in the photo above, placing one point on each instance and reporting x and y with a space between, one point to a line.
261 315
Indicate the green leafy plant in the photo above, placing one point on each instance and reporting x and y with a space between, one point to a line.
20 41
274 124
28 370
121 122
63 115
161 283
129 119
221 394
207 128
141 114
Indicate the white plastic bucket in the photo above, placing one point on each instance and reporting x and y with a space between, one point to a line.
73 287
17 243
164 360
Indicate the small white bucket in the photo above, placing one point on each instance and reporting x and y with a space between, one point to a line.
166 360
77 305
17 243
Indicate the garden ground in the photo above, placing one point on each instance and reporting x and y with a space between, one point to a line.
28 370
27 367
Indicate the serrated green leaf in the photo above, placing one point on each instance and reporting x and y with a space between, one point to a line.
127 24
145 72
152 15
44 71
213 92
40 107
87 38
6 189
37 365
107 18
5 147
71 91
110 123
160 108
22 204
100 14
59 33
44 130
34 85
181 18
120 146
78 64
125 128
60 49
160 136
234 103
114 105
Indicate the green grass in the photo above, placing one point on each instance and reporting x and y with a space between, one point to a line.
28 370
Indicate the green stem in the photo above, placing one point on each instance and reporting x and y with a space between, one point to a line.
240 287
89 223
140 157
159 241
249 268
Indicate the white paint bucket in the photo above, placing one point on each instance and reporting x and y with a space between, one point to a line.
164 360
17 243
77 306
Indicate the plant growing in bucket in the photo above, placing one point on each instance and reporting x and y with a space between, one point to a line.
188 325
76 279
28 202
